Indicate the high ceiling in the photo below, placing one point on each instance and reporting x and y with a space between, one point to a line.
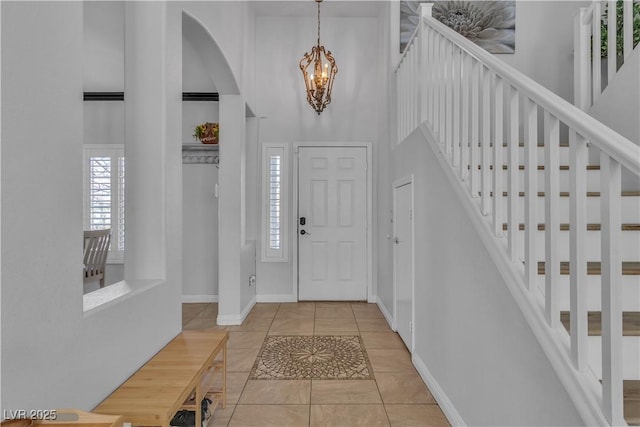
328 8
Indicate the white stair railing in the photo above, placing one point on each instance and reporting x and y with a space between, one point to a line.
590 49
472 105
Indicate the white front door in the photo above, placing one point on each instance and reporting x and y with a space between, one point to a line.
403 260
332 223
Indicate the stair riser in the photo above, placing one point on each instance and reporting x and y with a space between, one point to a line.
630 357
563 155
630 286
630 208
629 245
593 180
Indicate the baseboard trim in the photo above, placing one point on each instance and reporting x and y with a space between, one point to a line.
385 312
247 308
199 298
235 319
449 410
276 298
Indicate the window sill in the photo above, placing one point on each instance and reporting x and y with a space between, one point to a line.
100 299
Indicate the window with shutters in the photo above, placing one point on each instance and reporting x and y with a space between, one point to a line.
274 203
103 184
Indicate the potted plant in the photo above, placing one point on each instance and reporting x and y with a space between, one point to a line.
207 133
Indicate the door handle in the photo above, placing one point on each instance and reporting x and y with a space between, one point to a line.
303 232
396 240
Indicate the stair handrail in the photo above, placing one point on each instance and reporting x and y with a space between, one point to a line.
606 139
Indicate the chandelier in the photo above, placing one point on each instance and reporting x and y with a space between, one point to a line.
319 69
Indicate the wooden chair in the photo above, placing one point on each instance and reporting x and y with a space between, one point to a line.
96 248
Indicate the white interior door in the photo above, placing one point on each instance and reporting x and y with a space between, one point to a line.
403 261
332 223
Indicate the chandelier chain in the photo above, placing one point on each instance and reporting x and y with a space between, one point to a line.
318 23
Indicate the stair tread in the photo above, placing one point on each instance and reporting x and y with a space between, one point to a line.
565 227
566 194
541 167
630 328
629 268
631 393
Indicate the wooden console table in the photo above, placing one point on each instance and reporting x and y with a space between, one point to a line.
178 377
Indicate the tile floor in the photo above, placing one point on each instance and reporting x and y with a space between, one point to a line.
397 396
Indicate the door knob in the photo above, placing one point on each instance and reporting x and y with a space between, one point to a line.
304 232
396 240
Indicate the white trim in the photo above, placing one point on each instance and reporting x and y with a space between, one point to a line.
401 182
371 295
247 309
268 254
583 389
102 298
229 320
199 298
385 313
235 319
276 298
449 410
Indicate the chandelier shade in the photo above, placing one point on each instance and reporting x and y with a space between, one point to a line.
319 70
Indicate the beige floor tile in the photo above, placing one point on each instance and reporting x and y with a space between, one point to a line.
338 305
344 392
294 314
261 315
209 312
402 388
276 392
241 359
334 312
270 416
379 340
366 311
416 416
390 360
335 326
291 327
235 384
348 416
372 325
191 309
265 307
221 416
238 339
252 324
201 323
299 306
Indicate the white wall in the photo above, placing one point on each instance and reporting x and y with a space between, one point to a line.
469 332
200 232
353 115
104 46
43 324
544 43
225 21
619 105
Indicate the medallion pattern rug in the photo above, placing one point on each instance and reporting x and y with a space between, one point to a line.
312 357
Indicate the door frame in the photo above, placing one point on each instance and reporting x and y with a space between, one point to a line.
371 277
401 182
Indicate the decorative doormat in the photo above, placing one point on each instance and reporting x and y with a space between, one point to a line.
299 357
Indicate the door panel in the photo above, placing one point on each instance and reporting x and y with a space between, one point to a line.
332 197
